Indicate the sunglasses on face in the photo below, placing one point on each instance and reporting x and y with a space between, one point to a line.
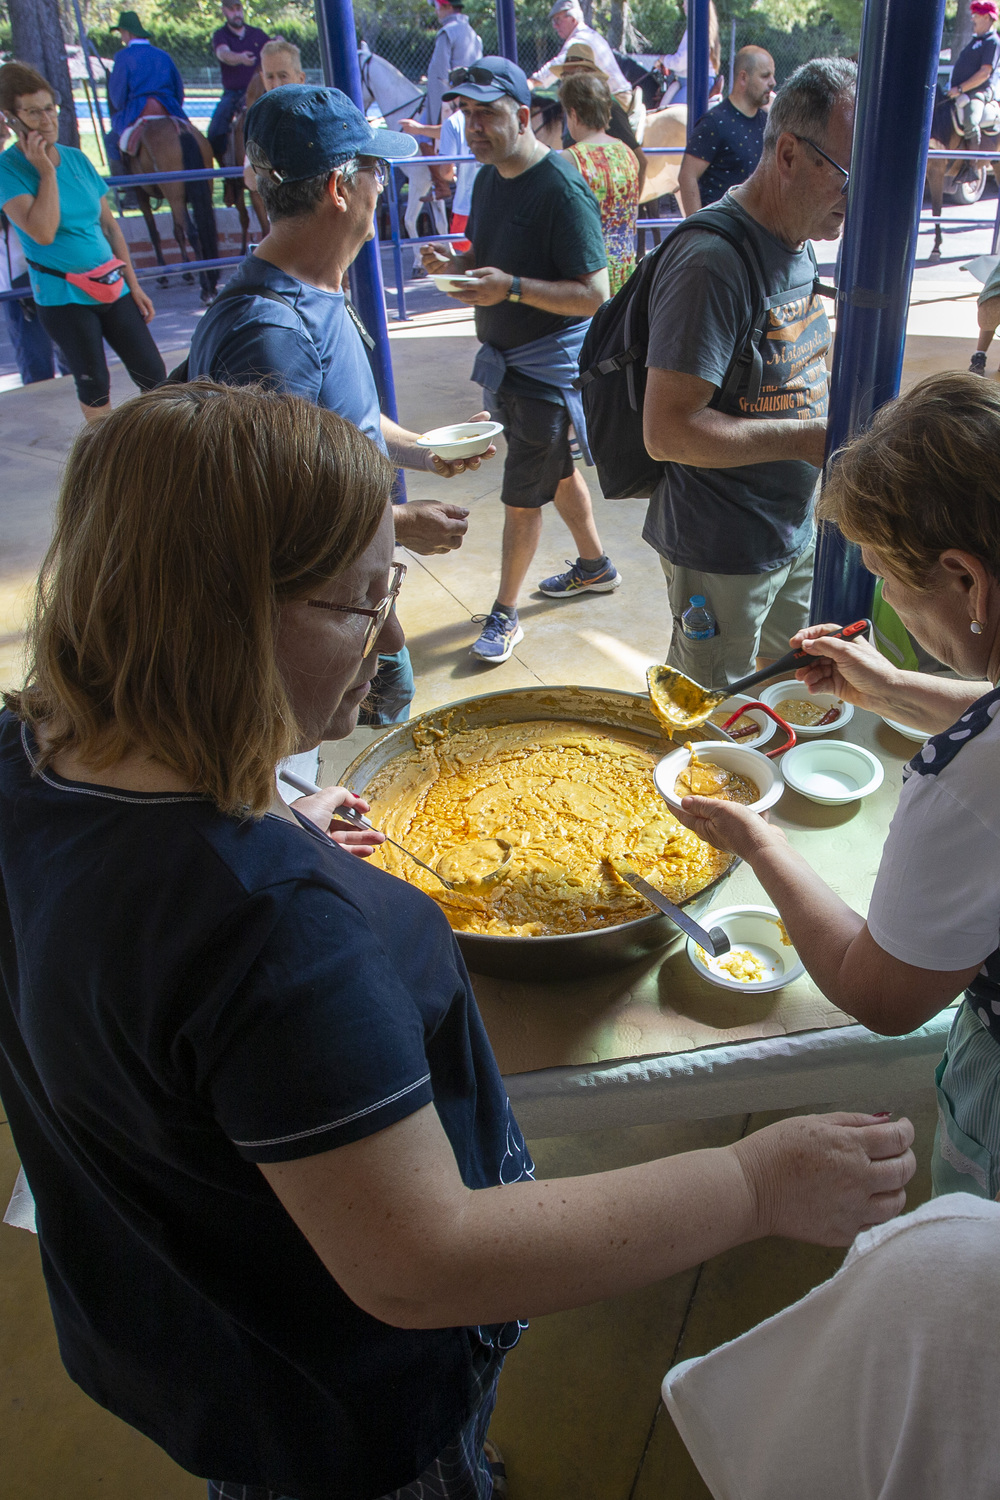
376 617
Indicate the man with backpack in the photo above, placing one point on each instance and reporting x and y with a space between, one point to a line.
736 385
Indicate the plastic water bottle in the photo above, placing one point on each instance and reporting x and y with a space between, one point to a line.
698 622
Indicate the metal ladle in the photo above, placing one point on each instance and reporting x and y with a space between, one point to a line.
358 820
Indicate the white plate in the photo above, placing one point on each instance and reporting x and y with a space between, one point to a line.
455 283
462 440
763 773
832 772
907 730
792 688
750 929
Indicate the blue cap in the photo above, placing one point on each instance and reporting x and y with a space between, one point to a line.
698 600
305 130
487 80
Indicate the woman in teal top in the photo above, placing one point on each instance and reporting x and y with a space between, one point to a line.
57 202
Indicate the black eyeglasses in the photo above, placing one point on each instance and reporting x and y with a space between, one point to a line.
471 75
819 150
377 616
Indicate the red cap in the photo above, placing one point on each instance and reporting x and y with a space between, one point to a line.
984 8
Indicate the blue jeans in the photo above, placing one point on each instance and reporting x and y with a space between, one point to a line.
222 117
392 691
33 349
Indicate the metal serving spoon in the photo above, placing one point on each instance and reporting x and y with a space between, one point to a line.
714 941
349 815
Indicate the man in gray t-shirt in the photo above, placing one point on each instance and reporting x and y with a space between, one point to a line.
732 516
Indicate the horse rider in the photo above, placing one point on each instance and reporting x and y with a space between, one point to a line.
456 45
974 76
567 20
144 81
238 48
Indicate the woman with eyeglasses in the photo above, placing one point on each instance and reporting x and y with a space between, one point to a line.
82 279
288 1222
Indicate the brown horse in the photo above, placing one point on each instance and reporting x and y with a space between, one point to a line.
166 146
234 189
943 175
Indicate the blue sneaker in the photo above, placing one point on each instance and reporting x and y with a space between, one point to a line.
576 581
498 637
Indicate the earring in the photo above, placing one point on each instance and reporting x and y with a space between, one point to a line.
977 627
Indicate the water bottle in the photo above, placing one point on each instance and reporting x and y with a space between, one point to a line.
697 621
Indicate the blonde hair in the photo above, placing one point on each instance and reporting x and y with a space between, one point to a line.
923 478
278 44
188 517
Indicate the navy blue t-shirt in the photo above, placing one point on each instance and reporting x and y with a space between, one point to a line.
314 351
185 995
982 52
731 144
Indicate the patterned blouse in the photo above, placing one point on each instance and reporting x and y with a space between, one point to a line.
612 173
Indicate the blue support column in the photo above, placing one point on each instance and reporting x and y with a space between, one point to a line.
339 50
506 30
697 82
897 74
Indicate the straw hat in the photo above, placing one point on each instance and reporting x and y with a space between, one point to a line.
579 59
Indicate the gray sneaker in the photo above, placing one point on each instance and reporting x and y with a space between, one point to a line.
977 365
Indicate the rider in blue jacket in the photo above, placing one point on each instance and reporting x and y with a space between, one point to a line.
141 72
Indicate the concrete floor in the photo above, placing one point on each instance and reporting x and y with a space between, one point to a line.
579 1413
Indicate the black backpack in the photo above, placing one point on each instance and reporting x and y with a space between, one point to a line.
612 377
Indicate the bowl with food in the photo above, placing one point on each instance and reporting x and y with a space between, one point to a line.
461 440
810 714
713 768
457 281
564 775
833 772
760 957
753 727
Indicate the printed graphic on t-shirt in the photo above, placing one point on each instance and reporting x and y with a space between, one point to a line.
794 382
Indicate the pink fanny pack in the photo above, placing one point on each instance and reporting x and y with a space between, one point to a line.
104 283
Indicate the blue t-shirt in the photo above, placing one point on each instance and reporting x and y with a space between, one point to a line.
80 243
731 144
184 995
314 351
982 52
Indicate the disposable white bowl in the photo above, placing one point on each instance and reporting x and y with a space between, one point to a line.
744 762
832 771
454 283
463 440
754 929
738 700
792 688
907 730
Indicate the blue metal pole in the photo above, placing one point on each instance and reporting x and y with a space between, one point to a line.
697 83
897 76
392 193
506 30
335 19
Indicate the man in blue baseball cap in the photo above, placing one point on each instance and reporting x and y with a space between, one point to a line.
541 273
283 318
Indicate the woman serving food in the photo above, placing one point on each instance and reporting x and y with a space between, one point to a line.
288 1223
919 493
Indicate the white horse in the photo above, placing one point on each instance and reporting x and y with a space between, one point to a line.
398 98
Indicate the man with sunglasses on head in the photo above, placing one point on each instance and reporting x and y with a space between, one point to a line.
283 318
731 517
539 270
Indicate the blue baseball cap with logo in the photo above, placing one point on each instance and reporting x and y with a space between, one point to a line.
305 130
487 80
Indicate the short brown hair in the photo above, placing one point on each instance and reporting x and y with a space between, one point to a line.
187 518
924 477
18 79
588 97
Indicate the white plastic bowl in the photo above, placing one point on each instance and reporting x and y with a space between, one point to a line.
744 762
792 688
455 282
463 440
907 730
738 700
753 929
832 772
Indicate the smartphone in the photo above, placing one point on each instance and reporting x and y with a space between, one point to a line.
18 126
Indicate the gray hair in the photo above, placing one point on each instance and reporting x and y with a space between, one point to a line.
291 200
804 103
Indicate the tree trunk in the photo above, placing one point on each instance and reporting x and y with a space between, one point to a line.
963 29
623 34
37 39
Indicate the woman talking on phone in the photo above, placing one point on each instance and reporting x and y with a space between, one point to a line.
81 273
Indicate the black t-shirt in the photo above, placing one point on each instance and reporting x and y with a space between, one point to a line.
185 995
544 223
982 52
731 143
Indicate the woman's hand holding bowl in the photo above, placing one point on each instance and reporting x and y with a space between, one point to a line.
320 809
728 826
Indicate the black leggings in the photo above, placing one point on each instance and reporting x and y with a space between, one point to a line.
79 330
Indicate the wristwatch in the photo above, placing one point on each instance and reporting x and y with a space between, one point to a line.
514 295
